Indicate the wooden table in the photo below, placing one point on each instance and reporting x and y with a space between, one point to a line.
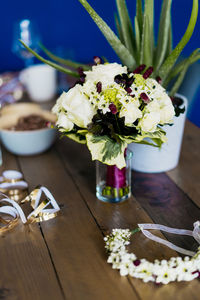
65 258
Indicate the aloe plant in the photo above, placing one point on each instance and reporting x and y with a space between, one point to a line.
135 42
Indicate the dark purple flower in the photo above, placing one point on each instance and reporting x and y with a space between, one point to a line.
120 79
137 262
139 69
82 79
196 272
125 76
158 79
99 87
148 72
129 81
97 60
81 72
128 89
113 108
144 97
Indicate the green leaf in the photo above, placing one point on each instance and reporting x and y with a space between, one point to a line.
149 12
63 61
76 137
123 53
172 58
183 67
195 56
137 39
139 14
158 138
145 53
50 63
163 36
126 25
106 150
119 30
105 60
170 40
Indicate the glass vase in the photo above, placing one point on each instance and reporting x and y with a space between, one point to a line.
113 185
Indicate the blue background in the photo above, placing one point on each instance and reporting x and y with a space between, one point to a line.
64 24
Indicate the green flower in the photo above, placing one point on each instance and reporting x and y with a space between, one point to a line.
139 80
110 95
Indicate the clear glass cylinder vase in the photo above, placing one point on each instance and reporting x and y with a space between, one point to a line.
113 185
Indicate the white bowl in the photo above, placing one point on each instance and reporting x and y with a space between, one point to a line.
28 142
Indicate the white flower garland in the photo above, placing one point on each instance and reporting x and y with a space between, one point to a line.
175 269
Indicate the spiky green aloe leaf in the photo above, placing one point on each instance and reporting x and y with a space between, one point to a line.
163 35
50 63
172 58
195 56
170 40
126 25
149 12
139 14
183 67
145 53
63 61
123 53
119 30
137 40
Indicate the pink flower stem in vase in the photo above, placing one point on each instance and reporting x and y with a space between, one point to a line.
116 183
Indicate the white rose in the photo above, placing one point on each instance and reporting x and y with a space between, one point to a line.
153 106
149 122
166 110
131 113
164 107
64 123
166 114
105 73
77 106
57 107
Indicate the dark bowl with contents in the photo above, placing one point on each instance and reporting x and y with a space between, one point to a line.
27 130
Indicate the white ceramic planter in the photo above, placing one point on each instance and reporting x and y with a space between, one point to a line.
149 159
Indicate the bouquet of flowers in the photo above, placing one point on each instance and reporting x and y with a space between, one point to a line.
110 107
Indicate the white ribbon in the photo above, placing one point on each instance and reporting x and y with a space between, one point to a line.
51 199
12 179
16 211
195 234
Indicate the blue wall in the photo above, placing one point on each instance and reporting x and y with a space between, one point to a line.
64 24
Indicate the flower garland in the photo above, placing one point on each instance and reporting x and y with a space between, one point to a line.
175 269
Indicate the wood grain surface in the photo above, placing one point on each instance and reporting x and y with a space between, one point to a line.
64 258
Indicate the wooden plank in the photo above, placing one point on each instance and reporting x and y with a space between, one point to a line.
74 239
166 204
187 174
26 268
127 214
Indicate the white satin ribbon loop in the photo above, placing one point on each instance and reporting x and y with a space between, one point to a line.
195 234
16 207
55 208
15 210
196 231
